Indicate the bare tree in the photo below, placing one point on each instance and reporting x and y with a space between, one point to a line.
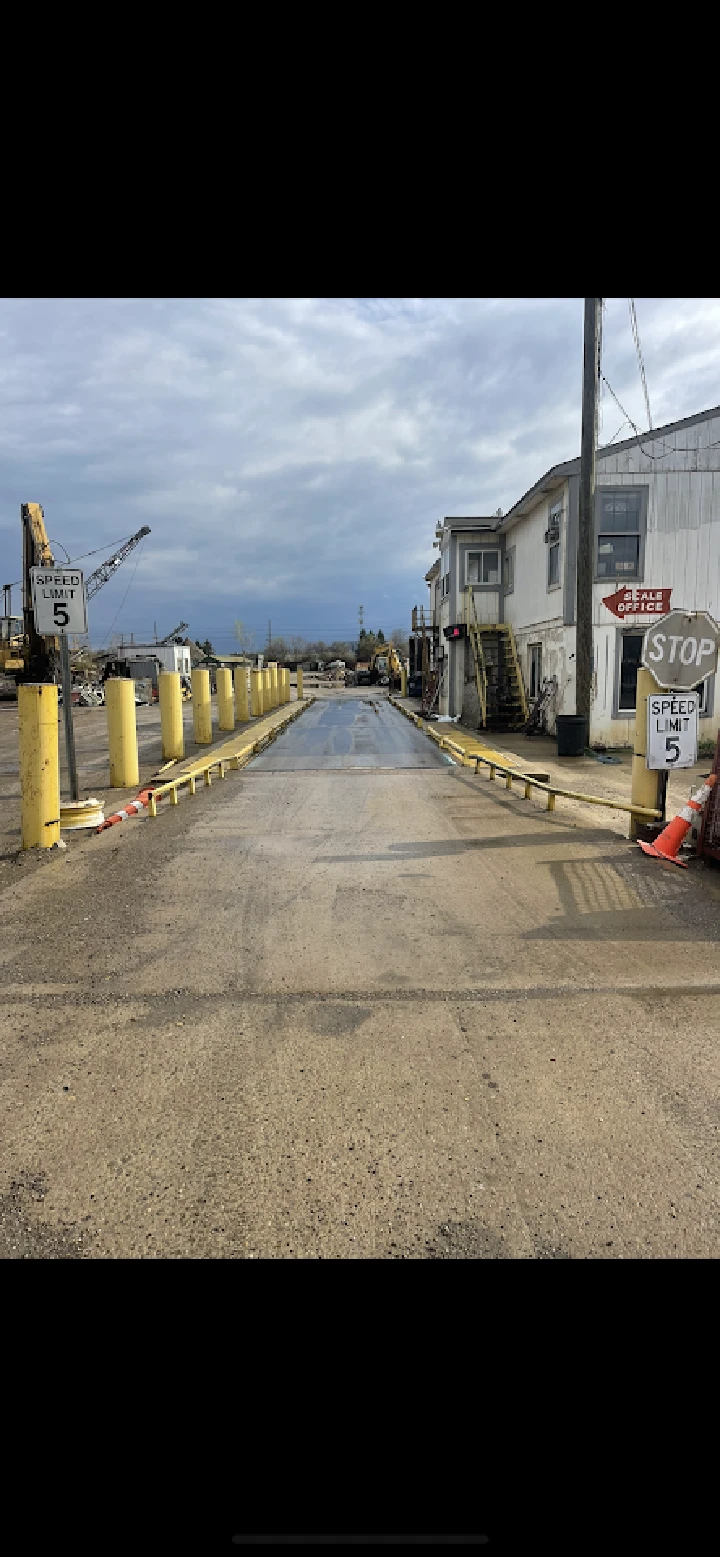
245 638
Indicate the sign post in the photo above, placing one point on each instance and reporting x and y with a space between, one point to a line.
60 608
679 651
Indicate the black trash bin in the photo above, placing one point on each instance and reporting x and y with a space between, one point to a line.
571 732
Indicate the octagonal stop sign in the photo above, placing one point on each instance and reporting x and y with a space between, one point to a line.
681 649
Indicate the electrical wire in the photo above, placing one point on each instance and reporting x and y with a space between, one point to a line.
122 602
109 547
641 436
638 348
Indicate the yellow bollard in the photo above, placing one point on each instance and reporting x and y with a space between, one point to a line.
122 732
644 783
226 701
241 694
267 689
403 681
256 693
202 707
171 719
274 692
299 684
39 765
286 686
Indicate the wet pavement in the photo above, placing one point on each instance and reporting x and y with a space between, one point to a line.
359 732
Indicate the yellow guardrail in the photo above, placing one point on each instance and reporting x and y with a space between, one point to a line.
495 763
224 757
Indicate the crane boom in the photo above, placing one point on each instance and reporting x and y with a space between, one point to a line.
106 569
181 628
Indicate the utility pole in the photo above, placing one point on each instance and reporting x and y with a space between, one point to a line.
586 518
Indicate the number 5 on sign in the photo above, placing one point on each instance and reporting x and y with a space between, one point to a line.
672 731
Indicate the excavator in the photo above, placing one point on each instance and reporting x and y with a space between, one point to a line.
385 666
24 655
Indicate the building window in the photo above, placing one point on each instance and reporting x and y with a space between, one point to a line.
509 571
619 526
483 567
629 663
446 584
553 545
534 668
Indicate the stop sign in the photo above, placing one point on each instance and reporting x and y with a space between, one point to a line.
680 649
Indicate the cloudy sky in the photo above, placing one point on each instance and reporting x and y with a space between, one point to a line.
292 456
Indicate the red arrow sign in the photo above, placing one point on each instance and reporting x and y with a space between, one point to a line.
638 602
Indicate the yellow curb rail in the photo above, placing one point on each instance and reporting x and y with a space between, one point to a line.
223 758
472 756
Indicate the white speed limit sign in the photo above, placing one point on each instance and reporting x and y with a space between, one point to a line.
672 731
59 602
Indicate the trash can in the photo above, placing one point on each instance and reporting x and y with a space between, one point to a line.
571 733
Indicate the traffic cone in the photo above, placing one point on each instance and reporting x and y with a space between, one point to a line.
667 845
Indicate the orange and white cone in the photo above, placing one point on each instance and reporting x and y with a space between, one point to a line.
132 809
667 845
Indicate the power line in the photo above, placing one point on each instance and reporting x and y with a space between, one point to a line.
638 348
124 598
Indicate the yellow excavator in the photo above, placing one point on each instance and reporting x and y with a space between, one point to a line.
23 654
385 665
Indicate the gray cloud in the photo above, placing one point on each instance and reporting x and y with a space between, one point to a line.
293 455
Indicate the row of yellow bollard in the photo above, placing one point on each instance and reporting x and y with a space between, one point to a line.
38 733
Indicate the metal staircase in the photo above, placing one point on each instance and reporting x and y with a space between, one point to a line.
500 686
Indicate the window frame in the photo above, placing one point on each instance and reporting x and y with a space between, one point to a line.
558 506
621 635
482 552
614 580
532 659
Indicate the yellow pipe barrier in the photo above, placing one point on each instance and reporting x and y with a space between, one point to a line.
39 765
274 690
299 684
644 782
226 701
551 790
122 732
256 693
286 686
238 758
241 694
171 719
202 707
267 689
403 681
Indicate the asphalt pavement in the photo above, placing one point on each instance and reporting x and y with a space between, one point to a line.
350 1004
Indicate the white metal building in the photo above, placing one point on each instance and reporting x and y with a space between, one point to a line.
656 547
172 656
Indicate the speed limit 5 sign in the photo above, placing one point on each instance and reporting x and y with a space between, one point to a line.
672 730
59 603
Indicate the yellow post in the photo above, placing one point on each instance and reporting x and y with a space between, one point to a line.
256 693
267 689
403 681
274 691
241 694
299 684
202 707
39 765
122 732
226 701
286 686
171 719
644 786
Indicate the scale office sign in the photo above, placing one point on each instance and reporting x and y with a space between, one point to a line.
672 730
59 601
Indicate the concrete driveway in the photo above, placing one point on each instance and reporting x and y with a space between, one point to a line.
330 1009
